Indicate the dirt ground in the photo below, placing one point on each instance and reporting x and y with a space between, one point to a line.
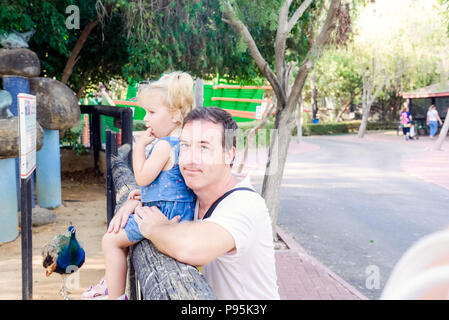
84 204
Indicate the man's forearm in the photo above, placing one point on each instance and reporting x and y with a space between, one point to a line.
173 239
192 242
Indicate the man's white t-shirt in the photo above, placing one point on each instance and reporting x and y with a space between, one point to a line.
249 272
432 115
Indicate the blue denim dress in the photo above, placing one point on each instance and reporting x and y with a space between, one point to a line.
168 192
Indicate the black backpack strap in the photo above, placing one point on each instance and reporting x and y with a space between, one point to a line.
215 204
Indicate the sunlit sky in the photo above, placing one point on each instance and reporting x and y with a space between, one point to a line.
417 27
408 20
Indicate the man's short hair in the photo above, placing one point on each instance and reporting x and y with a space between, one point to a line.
216 115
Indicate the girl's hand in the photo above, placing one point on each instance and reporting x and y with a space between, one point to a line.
146 137
135 195
121 217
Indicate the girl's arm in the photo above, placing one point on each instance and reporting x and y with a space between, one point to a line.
147 170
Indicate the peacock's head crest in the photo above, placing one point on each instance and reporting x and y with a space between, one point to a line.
71 229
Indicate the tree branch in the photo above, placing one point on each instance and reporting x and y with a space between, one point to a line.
298 14
284 27
313 53
280 43
73 58
254 51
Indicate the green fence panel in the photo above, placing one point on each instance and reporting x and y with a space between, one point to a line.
210 92
132 89
139 112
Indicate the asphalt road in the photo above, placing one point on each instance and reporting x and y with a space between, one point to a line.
351 207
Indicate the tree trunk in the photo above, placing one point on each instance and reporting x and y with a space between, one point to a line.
363 125
274 170
367 100
199 92
372 88
330 105
345 108
443 134
74 55
160 277
314 99
299 121
287 100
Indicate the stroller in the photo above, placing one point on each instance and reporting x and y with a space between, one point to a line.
413 133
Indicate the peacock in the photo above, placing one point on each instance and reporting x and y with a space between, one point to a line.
63 255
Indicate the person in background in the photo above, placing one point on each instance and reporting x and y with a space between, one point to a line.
406 122
432 120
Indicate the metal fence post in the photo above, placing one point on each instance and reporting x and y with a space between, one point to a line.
26 237
96 136
111 149
127 132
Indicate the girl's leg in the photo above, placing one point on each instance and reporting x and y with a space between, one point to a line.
115 250
406 131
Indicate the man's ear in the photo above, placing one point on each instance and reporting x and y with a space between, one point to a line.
230 155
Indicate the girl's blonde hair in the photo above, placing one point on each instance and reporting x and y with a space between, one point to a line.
176 89
404 107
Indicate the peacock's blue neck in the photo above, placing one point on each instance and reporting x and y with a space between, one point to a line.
70 256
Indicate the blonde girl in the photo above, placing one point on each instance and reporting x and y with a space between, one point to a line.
406 121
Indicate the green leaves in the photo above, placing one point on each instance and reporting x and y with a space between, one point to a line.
405 40
13 16
185 35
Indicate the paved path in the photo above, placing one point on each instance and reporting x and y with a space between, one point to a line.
302 277
353 205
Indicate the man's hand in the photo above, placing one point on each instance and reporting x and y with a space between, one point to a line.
194 243
148 218
121 217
